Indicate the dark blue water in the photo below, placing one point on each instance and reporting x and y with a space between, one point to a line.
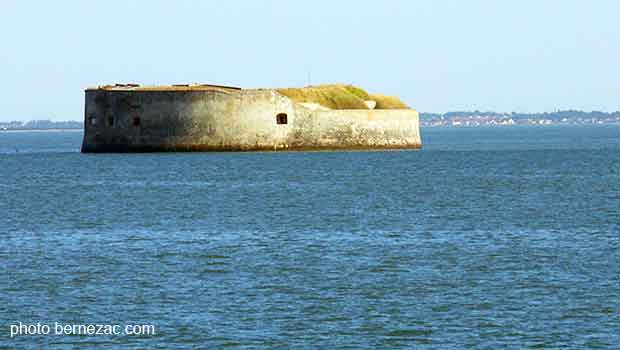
487 238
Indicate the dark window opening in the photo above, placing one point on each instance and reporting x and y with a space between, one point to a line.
110 120
281 118
136 121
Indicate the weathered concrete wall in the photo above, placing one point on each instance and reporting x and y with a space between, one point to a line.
356 129
215 120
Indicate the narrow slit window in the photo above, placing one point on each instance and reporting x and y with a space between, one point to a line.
136 121
110 120
281 118
92 120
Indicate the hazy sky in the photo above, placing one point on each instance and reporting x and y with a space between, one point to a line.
436 55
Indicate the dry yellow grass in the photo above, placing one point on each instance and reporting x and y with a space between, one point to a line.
341 96
388 102
331 96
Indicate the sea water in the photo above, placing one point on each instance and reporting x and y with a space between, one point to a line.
486 238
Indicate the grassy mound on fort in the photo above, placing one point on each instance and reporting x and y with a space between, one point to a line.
341 96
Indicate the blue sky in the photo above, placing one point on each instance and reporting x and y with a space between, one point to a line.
437 56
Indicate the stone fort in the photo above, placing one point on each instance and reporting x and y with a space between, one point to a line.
202 117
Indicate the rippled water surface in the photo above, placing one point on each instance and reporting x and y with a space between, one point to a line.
487 238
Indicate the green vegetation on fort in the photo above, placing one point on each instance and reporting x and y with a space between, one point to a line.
341 96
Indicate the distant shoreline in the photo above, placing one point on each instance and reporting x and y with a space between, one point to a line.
422 125
499 126
40 130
